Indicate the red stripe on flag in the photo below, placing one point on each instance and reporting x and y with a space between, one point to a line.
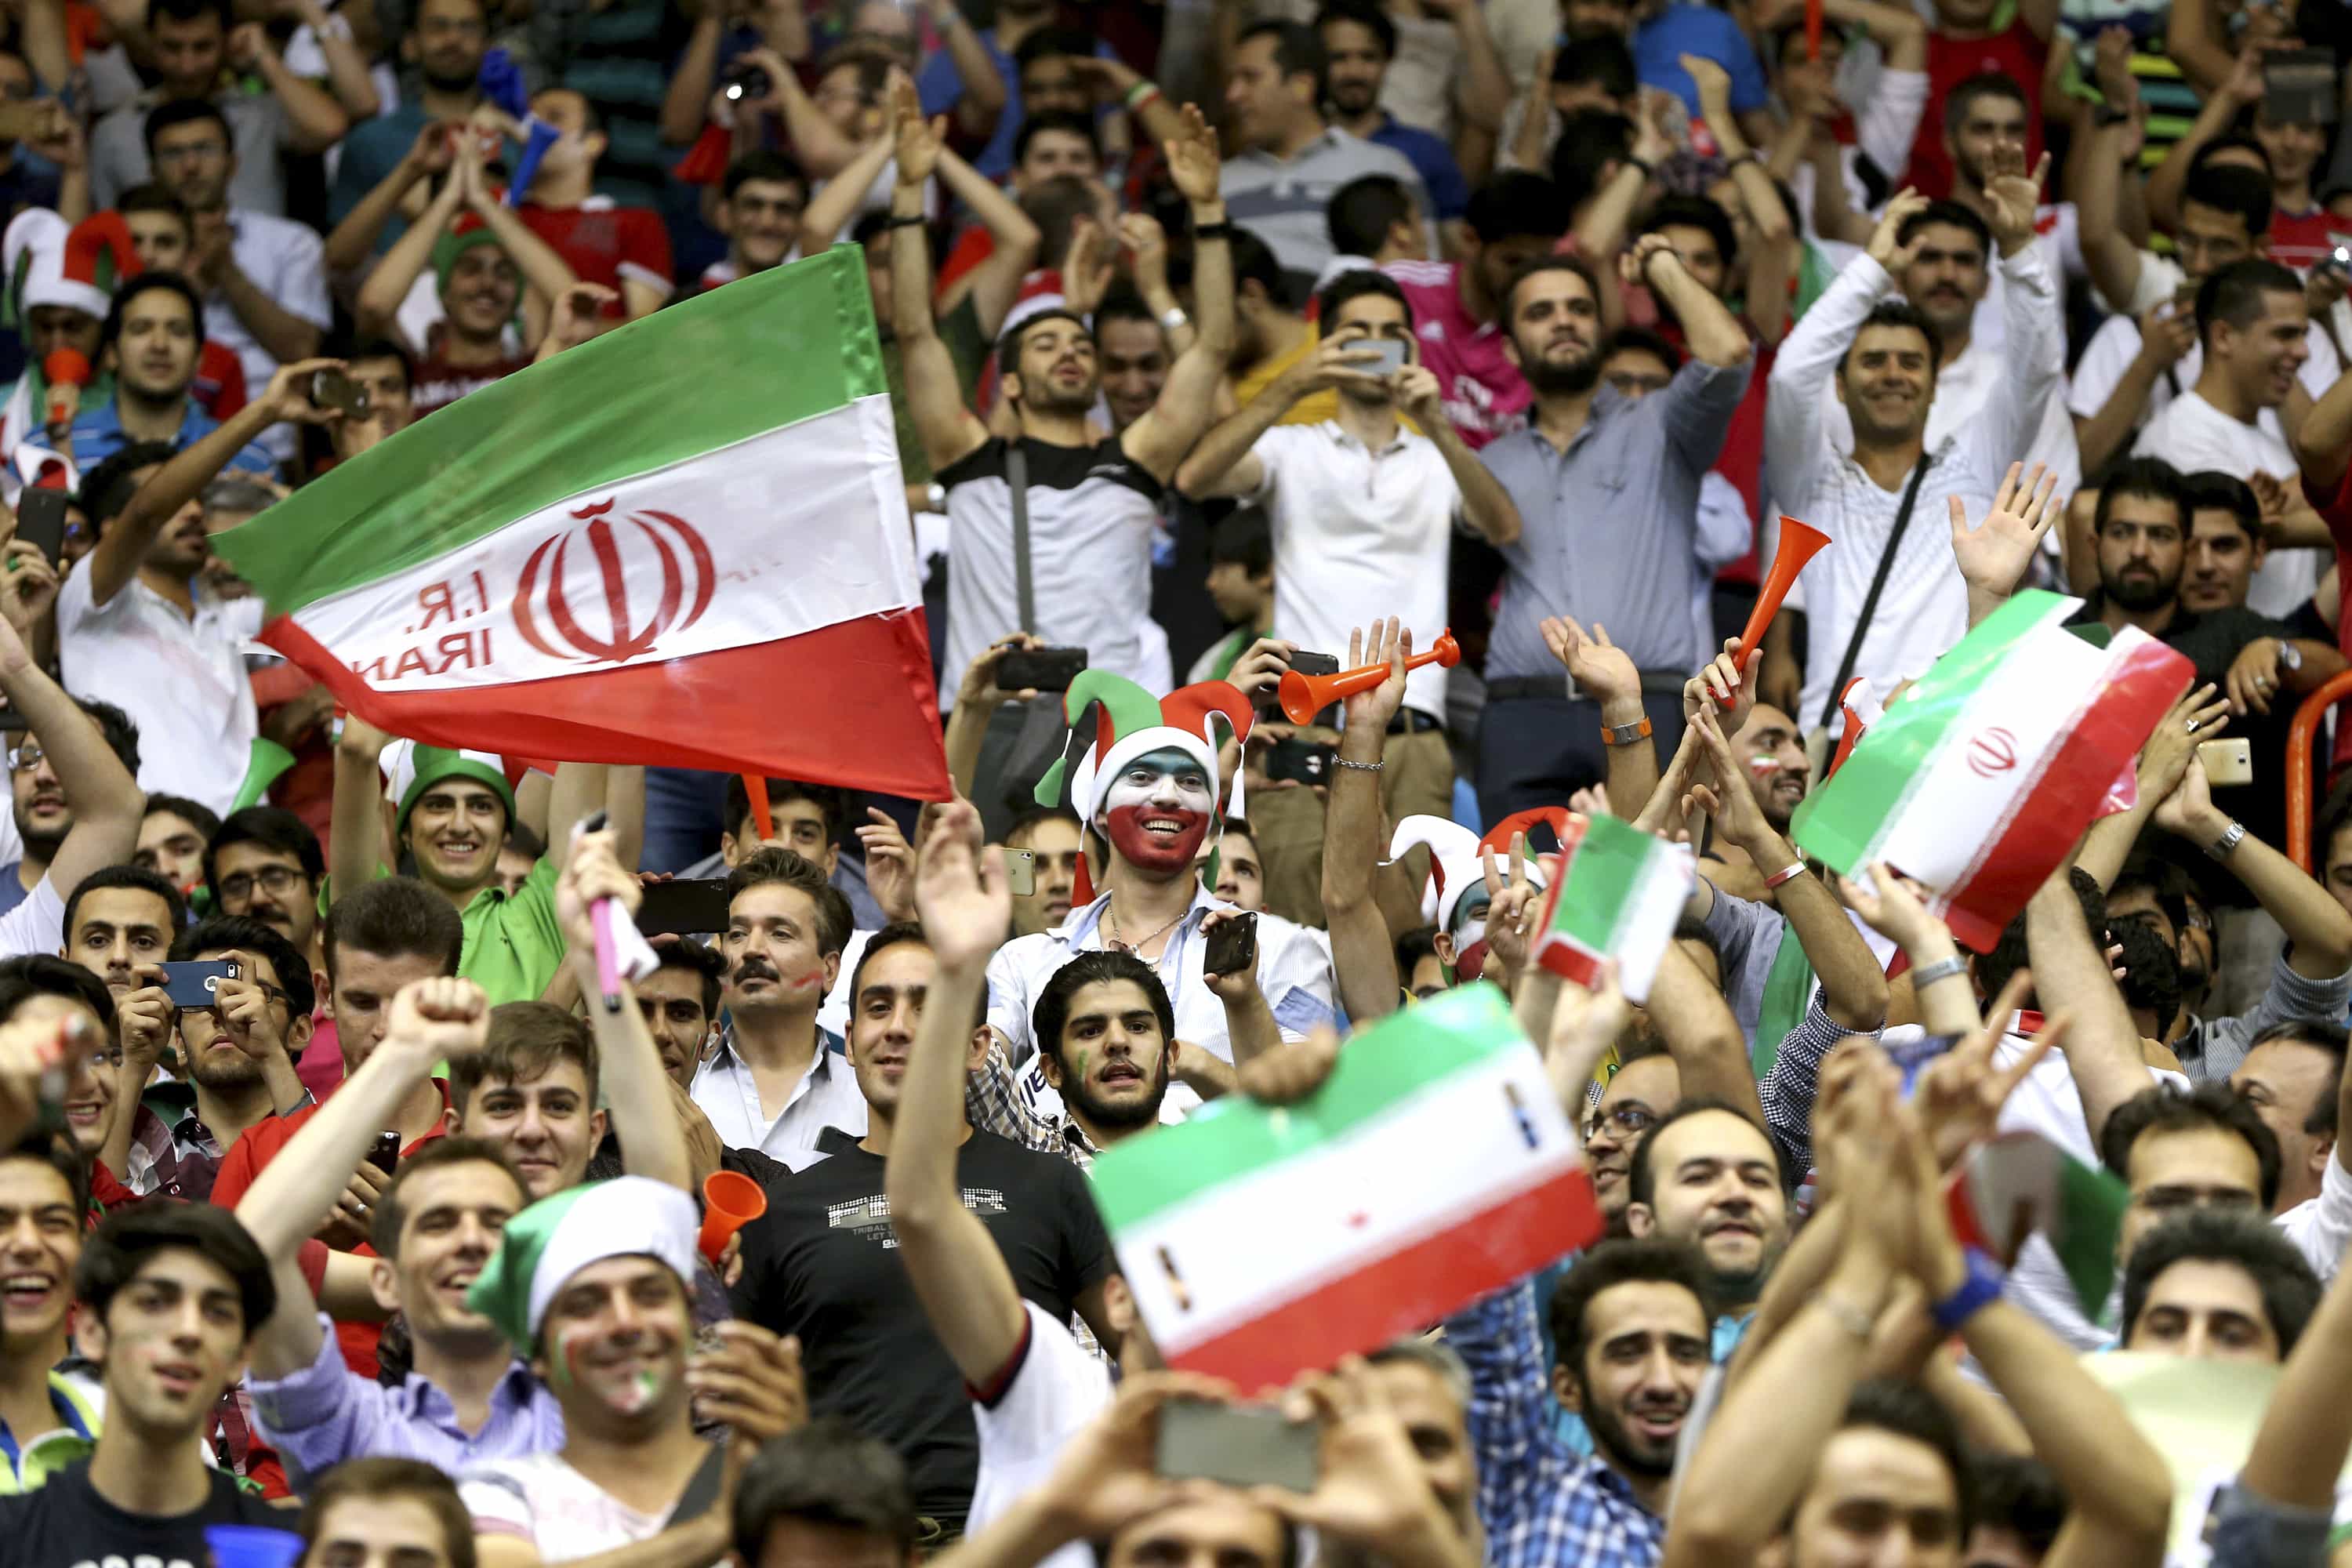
850 704
2051 812
1407 1291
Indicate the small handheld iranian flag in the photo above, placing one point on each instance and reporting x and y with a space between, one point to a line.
2019 1182
1433 1166
1617 895
686 541
1982 776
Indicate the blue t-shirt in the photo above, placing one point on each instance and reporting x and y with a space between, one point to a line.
97 436
1660 43
1432 160
941 88
11 886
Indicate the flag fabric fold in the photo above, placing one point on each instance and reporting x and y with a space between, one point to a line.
1433 1166
1980 781
1617 894
2020 1182
685 543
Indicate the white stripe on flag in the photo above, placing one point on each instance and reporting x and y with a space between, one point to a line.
1453 1149
452 621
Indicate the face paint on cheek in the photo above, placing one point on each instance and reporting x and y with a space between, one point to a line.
1763 764
1157 850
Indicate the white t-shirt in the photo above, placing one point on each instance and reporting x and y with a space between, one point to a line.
2192 434
1961 389
1358 535
183 681
541 1499
1058 1389
38 923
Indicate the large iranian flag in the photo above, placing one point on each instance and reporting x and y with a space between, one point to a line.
1978 779
1433 1166
685 543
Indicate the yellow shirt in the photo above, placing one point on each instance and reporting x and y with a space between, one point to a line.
1312 409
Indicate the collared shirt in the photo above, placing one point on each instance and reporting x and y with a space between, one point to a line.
1284 202
98 435
1924 607
1359 534
1542 1505
2213 1048
286 261
179 1159
826 1095
514 945
32 1458
1613 522
993 1102
258 126
1293 974
324 1413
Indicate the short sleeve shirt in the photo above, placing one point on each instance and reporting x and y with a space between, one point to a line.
513 942
542 1500
605 242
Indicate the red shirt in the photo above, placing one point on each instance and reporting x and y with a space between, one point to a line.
2016 54
603 244
2300 240
438 383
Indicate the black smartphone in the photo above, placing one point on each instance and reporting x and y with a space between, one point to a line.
1306 663
1301 760
1039 668
1236 1445
1233 945
41 518
333 389
683 908
191 983
748 81
387 1153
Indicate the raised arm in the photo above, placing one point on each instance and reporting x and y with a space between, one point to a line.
1174 422
1487 506
389 281
545 271
2319 932
958 1273
949 430
1363 955
2109 253
355 846
652 1142
1994 554
2306 1429
1222 463
2323 445
2032 309
1605 673
995 283
2103 1048
1808 356
314 121
352 241
106 800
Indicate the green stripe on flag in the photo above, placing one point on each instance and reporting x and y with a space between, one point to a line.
1605 872
1843 821
2084 1230
763 353
1381 1070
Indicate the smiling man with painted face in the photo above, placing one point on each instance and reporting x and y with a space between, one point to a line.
1143 777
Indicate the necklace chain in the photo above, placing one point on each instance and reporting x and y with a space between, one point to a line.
1120 944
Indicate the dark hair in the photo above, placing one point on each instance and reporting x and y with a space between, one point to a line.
128 1235
2235 294
175 908
2152 972
831 803
187 11
825 1472
1352 285
272 827
217 933
1516 204
150 196
1048 42
1570 264
172 113
2008 954
2329 1039
2210 490
195 813
2150 478
1053 1009
394 917
1650 1261
59 1153
1605 60
385 348
1642 340
760 163
1067 120
1906 1410
120 730
2289 1288
2242 193
1896 311
524 841
32 974
1693 212
2172 889
384 1225
381 1477
526 1039
1254 262
1055 205
1297 51
1952 214
767 864
1984 84
1025 825
1411 948
1008 345
2018 1494
1245 537
1641 1180
1363 210
1591 140
2165 1107
1364 15
688 954
1121 302
107 487
132 287
900 933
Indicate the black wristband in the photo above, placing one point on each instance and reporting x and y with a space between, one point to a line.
1649 170
1221 229
914 221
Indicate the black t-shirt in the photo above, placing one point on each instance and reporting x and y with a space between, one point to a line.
67 1524
823 1264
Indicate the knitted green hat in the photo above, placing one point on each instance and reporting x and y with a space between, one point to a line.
556 1237
434 764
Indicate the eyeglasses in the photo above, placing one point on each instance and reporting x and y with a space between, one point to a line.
1628 1121
275 881
24 758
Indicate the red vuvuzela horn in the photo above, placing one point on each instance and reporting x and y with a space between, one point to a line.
1800 542
67 371
1305 696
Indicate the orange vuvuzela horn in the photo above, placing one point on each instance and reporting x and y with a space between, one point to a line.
1800 542
730 1201
1305 696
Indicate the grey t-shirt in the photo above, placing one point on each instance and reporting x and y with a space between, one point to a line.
118 151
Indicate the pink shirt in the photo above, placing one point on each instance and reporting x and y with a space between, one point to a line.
1483 391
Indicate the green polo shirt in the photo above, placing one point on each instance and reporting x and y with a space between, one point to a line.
513 944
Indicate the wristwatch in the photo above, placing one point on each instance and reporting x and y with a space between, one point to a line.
2290 655
1626 734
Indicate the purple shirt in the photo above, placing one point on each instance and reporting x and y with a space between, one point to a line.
325 1413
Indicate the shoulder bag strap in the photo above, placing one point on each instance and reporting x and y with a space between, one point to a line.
1878 587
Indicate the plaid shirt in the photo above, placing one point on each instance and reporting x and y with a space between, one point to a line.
177 1159
1788 1089
1543 1506
993 1102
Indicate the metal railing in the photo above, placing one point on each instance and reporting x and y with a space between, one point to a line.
2299 738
